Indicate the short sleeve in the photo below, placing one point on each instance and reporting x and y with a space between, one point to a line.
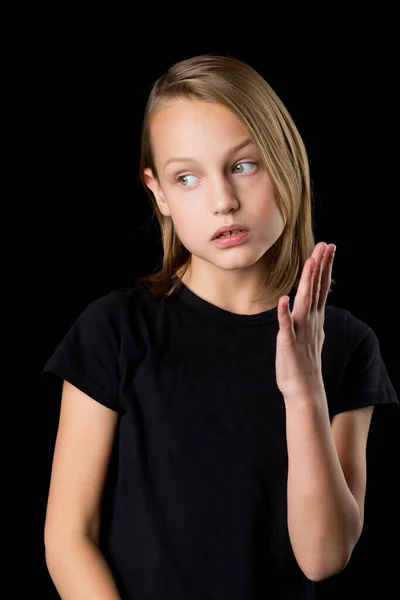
365 380
88 355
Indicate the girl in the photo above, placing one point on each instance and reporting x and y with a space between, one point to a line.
214 417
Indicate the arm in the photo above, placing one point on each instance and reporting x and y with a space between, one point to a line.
81 458
326 484
326 463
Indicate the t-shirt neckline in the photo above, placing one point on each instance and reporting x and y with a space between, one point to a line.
267 316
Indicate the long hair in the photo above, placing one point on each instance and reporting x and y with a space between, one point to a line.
235 84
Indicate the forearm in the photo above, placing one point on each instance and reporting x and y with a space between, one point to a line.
79 571
324 520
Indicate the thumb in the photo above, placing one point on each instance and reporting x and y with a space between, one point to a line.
286 327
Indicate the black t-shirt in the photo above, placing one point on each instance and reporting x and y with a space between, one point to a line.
196 506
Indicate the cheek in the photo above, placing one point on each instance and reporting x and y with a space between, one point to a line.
186 220
267 212
263 197
266 206
186 209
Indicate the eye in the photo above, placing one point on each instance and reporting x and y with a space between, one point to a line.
239 167
184 180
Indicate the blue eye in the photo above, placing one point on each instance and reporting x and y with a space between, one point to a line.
239 168
181 179
252 165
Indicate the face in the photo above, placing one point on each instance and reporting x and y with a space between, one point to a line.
210 175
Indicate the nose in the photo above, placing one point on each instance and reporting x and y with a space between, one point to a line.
222 194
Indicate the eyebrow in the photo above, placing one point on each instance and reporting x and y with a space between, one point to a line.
241 145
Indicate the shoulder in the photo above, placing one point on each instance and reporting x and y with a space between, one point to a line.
121 312
353 363
101 319
113 303
114 298
344 328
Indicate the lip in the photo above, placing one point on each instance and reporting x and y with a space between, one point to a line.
229 228
231 240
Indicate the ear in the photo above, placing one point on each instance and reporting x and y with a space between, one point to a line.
154 186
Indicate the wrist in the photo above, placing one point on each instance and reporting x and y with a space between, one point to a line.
309 397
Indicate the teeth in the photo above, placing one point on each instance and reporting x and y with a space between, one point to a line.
227 233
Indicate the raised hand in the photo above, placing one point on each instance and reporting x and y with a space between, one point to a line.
301 332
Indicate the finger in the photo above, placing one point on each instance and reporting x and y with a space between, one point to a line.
303 300
319 252
285 319
326 276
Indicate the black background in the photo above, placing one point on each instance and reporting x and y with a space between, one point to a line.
92 78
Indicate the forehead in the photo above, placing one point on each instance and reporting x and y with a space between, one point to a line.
185 124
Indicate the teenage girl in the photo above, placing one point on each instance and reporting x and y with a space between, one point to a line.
214 416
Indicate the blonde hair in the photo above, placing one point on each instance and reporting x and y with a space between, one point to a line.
235 84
